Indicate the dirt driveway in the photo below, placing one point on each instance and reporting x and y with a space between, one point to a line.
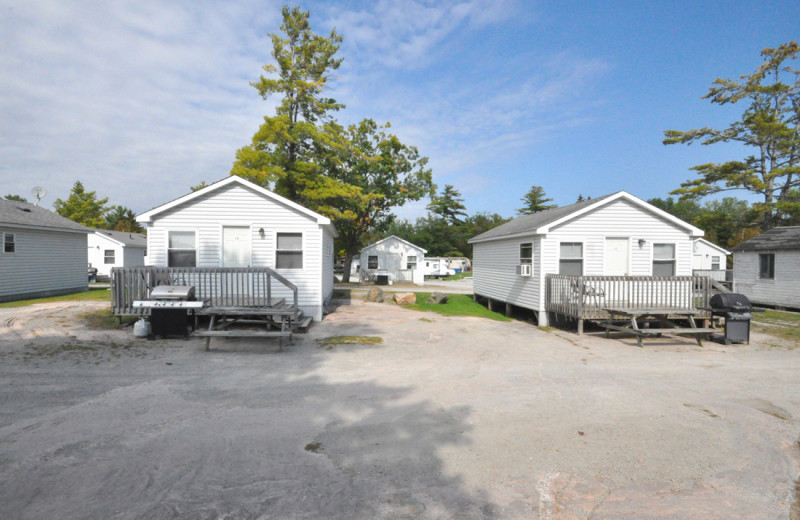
459 418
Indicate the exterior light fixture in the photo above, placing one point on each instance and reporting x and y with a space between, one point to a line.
642 242
261 232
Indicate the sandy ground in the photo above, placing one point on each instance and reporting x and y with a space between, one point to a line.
458 418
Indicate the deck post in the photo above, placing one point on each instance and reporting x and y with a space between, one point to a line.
580 326
508 309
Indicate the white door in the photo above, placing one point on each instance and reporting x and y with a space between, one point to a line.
235 247
616 257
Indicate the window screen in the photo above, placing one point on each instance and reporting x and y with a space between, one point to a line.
411 262
372 262
715 263
182 252
289 252
9 245
663 259
766 266
526 253
571 258
108 256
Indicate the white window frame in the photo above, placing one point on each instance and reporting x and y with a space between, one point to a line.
411 264
570 259
13 243
524 259
113 256
760 270
369 261
718 261
673 260
181 249
293 251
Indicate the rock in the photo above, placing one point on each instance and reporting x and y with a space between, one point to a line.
375 294
408 298
437 297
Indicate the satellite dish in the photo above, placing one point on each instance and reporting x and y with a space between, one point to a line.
39 192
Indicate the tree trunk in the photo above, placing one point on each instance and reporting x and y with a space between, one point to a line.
348 263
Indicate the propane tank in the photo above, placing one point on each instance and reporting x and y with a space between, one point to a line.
141 329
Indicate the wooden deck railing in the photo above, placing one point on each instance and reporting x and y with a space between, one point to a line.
718 275
223 286
586 297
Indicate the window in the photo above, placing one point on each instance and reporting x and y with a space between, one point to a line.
182 251
108 256
9 245
411 262
526 253
715 263
663 259
372 262
289 252
766 266
571 258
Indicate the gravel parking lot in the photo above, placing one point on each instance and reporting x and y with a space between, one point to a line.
461 418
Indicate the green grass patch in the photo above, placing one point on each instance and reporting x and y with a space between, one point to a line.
332 341
457 276
93 294
457 305
781 324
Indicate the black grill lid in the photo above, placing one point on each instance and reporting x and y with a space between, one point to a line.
730 301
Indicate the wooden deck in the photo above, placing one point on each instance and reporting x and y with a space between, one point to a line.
235 296
590 297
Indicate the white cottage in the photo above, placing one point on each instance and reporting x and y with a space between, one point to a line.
109 249
235 223
41 253
614 235
707 256
394 255
766 268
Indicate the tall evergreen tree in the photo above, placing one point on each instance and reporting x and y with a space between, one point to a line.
448 205
82 207
768 125
535 201
120 218
18 198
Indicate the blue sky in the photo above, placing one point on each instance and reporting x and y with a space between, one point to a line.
140 100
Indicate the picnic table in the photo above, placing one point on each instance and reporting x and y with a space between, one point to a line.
632 321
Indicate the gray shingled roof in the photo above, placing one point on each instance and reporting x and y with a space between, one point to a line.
13 213
536 220
774 239
128 239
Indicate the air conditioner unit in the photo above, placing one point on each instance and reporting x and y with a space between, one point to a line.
524 269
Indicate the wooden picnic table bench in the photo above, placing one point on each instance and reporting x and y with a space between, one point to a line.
632 319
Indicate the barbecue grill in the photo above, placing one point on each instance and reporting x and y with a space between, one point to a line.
737 311
169 306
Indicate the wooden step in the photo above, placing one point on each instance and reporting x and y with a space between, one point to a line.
302 325
241 334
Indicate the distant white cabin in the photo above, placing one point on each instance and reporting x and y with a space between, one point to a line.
400 258
614 235
235 223
708 256
109 249
41 253
438 267
766 268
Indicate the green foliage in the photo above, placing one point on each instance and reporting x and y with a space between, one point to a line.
439 237
536 200
120 218
198 187
457 305
769 125
17 198
726 222
82 207
448 205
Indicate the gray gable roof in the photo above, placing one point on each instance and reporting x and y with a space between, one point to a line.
126 238
25 214
775 239
536 220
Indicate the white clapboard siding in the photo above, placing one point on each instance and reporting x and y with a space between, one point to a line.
495 275
622 218
782 291
237 205
393 256
44 262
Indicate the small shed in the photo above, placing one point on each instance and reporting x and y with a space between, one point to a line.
766 268
707 256
617 235
109 249
41 253
402 259
234 223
